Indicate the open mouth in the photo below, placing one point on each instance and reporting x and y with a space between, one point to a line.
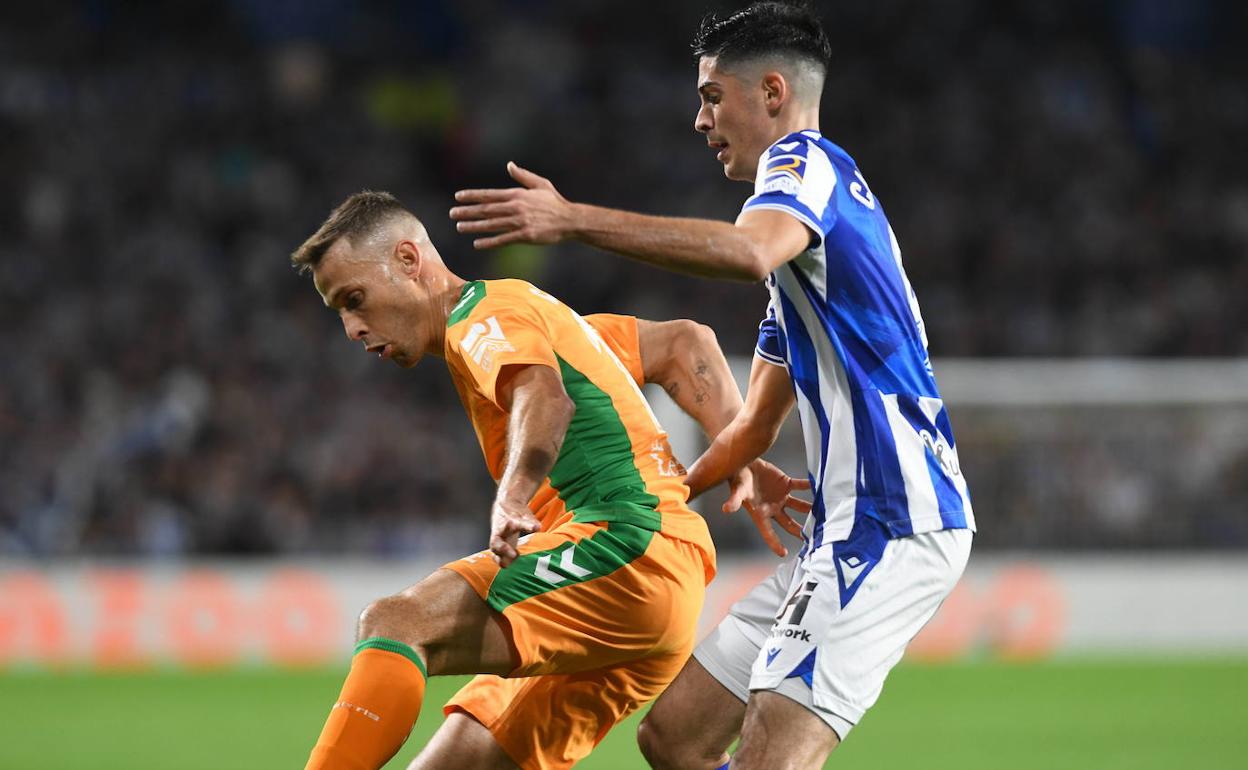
383 350
721 149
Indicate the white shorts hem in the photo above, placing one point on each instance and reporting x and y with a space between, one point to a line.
797 691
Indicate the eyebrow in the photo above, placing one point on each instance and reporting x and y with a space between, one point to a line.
332 299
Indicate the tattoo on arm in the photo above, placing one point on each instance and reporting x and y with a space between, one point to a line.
701 375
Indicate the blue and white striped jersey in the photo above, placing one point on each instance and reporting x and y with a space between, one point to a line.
845 322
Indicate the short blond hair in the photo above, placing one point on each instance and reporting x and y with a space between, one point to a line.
357 217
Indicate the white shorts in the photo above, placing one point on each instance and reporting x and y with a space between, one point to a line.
825 629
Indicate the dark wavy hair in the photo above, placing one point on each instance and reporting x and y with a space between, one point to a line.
764 29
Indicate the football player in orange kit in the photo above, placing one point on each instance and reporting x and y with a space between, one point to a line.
585 604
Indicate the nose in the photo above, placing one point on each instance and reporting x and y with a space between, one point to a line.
354 327
702 121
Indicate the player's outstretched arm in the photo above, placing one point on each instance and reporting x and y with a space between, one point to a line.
535 212
539 414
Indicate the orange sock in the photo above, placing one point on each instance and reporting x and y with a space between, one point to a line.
375 712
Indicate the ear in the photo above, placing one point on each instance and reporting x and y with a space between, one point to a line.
409 257
775 91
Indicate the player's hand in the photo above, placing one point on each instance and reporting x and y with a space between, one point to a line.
766 497
508 521
534 212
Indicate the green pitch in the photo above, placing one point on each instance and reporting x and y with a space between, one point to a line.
1104 715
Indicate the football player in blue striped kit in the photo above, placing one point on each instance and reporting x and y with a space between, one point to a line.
797 663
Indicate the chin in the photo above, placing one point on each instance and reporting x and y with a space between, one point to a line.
738 175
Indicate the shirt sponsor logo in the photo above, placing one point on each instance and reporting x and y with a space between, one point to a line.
799 634
484 341
793 165
784 174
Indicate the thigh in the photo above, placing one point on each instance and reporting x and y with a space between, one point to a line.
462 742
443 616
782 734
694 721
552 721
591 595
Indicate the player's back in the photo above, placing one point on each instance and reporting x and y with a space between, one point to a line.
615 463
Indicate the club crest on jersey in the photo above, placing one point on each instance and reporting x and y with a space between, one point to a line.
484 341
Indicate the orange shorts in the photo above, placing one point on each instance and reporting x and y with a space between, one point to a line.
602 617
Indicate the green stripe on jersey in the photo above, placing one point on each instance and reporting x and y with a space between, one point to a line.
568 564
596 474
472 293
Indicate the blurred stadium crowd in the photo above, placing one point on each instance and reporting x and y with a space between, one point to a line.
1066 179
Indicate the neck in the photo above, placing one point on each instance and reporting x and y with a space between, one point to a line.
445 292
798 120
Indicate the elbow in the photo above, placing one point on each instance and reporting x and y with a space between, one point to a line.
693 335
704 336
564 409
756 265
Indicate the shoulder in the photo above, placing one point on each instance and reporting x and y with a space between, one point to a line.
797 160
613 325
509 297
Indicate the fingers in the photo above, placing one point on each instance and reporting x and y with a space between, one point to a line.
790 526
493 195
735 499
504 549
515 236
507 224
526 177
799 483
770 538
483 210
504 541
764 529
797 504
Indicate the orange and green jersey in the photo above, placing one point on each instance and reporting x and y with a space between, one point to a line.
615 463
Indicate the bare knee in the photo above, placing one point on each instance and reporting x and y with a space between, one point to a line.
446 623
651 745
388 617
666 748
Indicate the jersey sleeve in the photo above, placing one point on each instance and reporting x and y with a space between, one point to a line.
770 345
796 176
621 335
496 335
